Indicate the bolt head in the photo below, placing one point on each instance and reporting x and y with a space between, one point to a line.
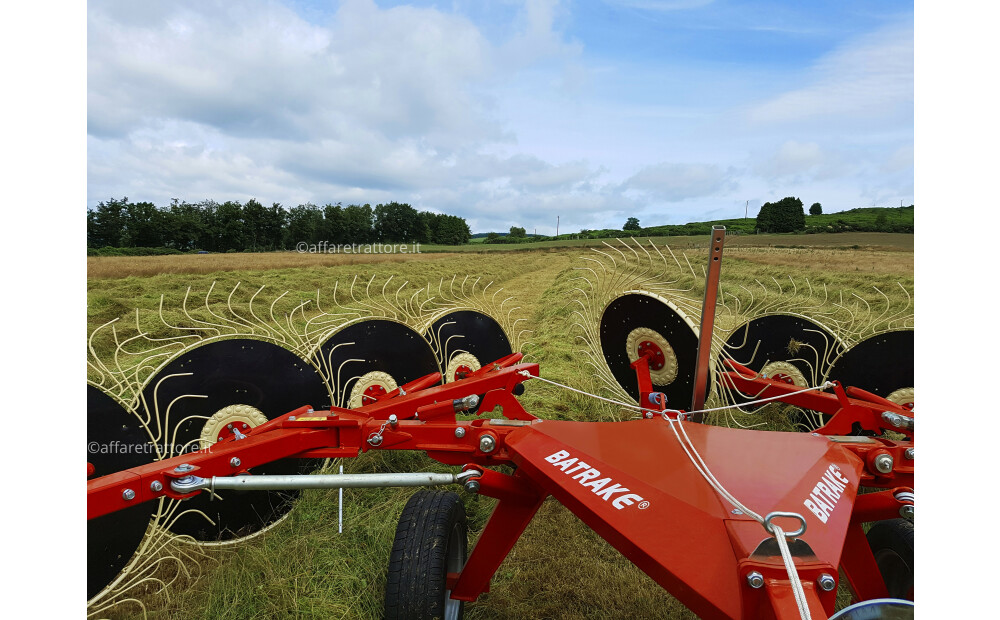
906 512
460 432
883 463
309 410
755 580
909 453
235 462
183 467
128 495
156 486
244 426
291 418
487 443
737 511
393 419
649 415
826 582
472 486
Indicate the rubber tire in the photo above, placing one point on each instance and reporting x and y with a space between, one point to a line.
892 543
432 525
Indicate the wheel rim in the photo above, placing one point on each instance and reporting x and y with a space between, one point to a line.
898 575
455 563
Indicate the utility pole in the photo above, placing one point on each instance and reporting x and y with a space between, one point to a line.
746 210
557 225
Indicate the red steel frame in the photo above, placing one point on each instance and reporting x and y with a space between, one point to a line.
629 481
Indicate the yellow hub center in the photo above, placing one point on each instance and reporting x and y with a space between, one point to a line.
233 417
664 375
373 379
464 358
784 371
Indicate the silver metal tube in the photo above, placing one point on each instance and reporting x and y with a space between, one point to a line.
334 481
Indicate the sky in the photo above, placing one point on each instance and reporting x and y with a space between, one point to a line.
506 113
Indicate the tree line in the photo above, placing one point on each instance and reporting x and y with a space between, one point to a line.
233 227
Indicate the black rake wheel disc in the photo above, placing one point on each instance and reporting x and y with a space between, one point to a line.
786 347
255 375
881 364
470 332
638 318
373 346
116 441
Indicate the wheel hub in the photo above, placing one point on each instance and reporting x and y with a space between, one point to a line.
461 365
648 348
228 422
785 372
369 387
662 359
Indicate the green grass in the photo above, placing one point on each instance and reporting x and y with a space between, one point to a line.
302 568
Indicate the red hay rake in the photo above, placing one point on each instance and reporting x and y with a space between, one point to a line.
734 523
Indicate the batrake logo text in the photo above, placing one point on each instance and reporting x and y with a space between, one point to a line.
587 476
827 493
325 247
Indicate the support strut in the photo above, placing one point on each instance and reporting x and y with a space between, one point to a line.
707 320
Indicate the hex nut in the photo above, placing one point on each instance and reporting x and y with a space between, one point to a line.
826 582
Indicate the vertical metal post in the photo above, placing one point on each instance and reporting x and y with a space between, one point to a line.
340 507
701 372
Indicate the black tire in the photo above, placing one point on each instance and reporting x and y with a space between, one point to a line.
431 541
892 543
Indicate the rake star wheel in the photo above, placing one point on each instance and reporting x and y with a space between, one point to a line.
130 554
787 347
639 323
370 358
826 323
203 366
881 364
464 340
221 390
116 441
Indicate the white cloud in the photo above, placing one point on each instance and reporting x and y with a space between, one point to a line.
794 160
868 78
506 125
674 182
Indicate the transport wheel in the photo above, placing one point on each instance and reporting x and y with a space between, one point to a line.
431 541
892 543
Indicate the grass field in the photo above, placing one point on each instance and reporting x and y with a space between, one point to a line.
559 569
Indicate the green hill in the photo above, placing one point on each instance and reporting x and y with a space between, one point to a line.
866 219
